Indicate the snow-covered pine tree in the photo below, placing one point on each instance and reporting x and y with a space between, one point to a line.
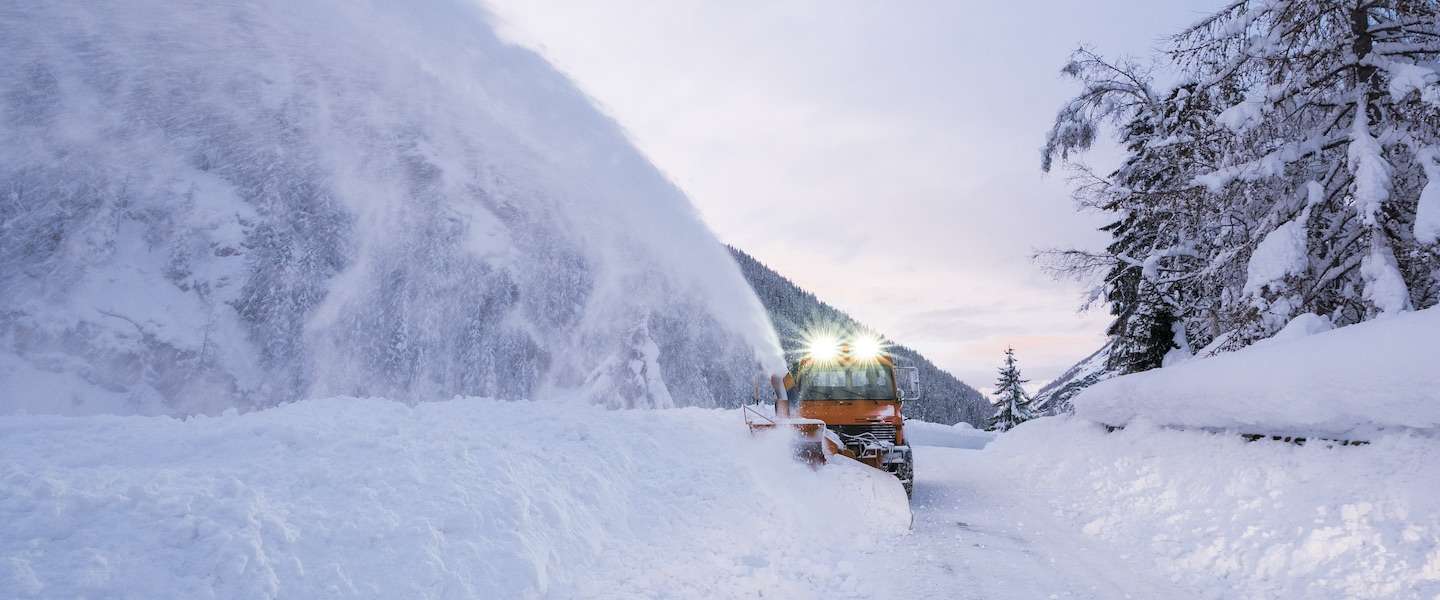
1333 125
1153 272
1013 407
1294 168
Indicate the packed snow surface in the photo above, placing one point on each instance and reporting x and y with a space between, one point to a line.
1226 518
1347 382
235 203
365 498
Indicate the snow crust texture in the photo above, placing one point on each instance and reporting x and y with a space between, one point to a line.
1227 518
365 498
207 204
1348 382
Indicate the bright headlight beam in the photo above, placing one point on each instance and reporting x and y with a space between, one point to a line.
868 347
823 348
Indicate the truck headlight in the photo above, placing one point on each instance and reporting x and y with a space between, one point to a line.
868 347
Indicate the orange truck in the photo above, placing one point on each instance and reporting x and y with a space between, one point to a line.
844 397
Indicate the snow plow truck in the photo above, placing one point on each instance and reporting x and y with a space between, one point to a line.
842 399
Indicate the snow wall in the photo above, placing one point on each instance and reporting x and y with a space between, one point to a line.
1349 383
366 498
211 204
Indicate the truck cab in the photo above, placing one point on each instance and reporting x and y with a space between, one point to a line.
857 391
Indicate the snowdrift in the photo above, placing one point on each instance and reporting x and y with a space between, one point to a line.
461 499
1247 520
1348 383
222 203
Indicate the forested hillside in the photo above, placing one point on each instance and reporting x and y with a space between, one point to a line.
1054 397
946 399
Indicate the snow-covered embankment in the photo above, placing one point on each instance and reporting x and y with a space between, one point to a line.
1351 383
1180 492
1234 519
460 499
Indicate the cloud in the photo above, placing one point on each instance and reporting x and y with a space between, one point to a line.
972 322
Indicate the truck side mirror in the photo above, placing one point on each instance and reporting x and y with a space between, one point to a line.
907 382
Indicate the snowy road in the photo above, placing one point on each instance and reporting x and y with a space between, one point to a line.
977 537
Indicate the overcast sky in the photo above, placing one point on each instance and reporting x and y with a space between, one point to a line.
884 155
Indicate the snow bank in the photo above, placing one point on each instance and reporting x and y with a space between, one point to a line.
1349 382
959 435
462 499
1231 519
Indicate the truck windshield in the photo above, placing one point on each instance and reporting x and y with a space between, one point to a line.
846 382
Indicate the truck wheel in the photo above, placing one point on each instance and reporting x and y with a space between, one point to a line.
905 472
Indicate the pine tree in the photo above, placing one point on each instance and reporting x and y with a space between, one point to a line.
1295 168
1332 115
1014 405
1153 267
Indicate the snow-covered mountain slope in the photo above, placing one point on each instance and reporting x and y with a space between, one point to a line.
207 204
367 498
1348 382
1054 397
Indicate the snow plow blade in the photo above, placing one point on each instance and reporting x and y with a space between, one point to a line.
812 443
888 504
880 498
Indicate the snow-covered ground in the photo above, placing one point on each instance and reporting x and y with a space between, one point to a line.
984 533
344 498
1235 519
481 499
1226 518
